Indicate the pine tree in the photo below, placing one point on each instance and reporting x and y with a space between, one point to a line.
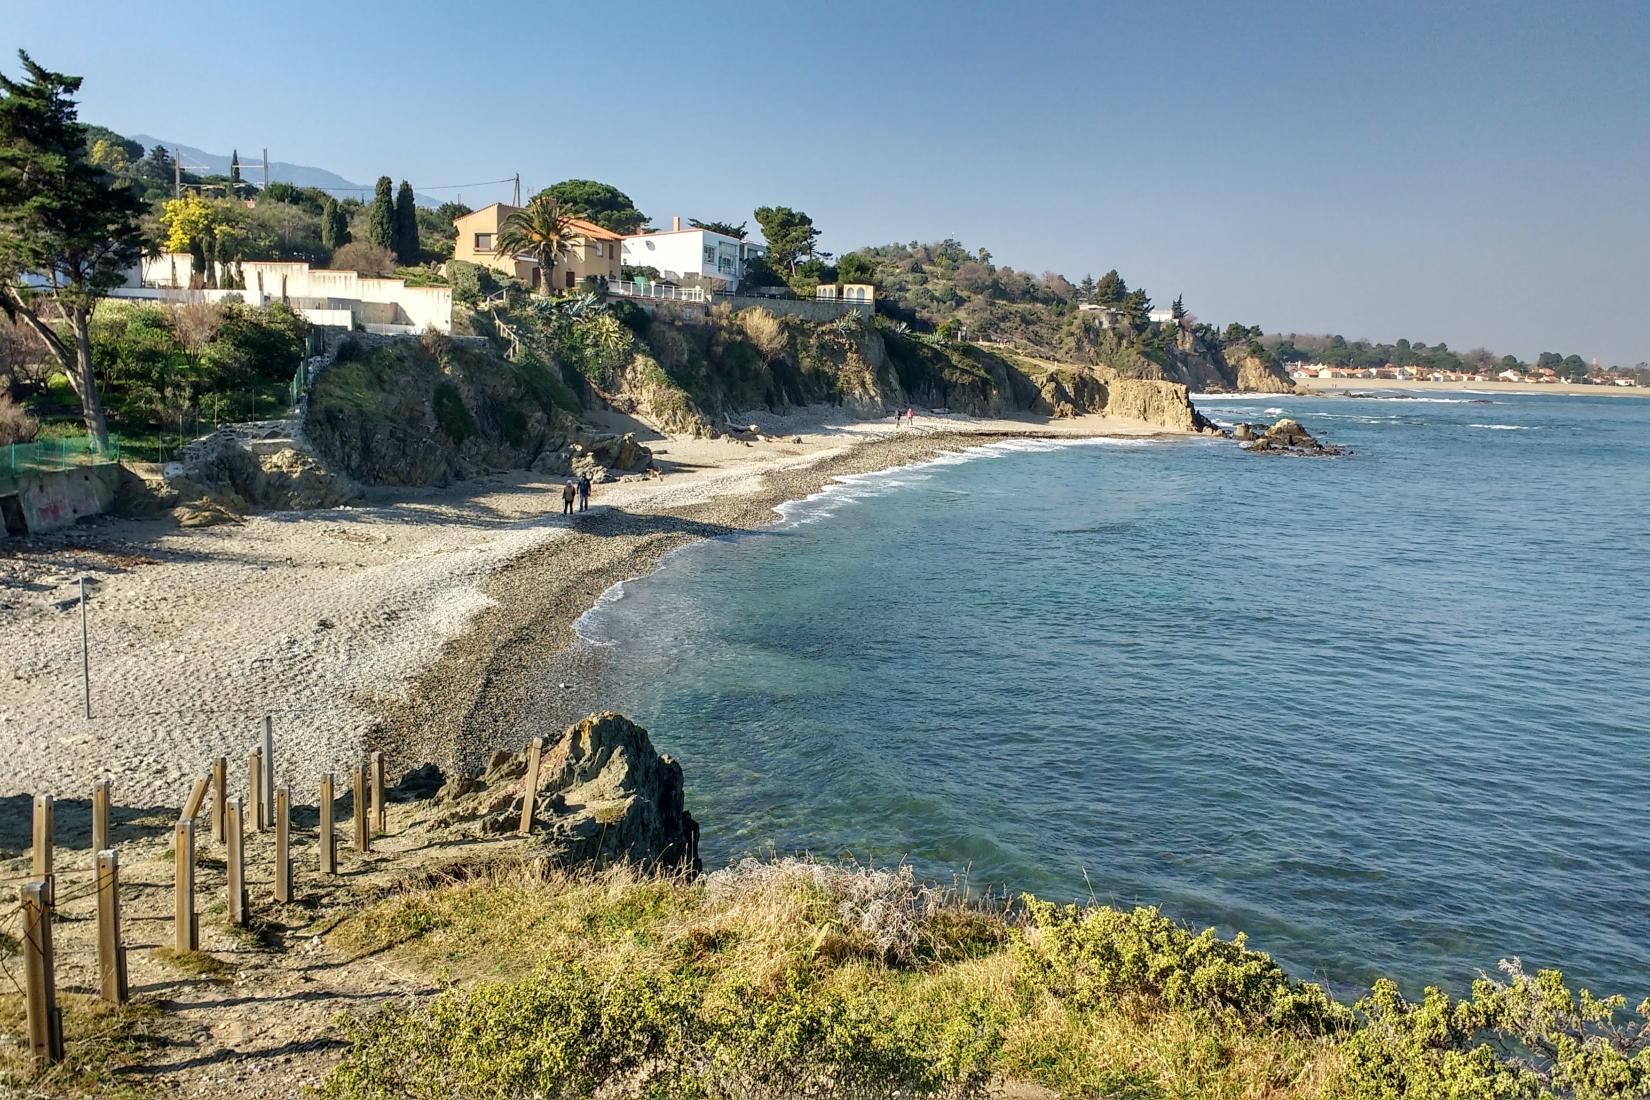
406 226
330 223
1178 309
1111 289
1085 289
381 217
235 165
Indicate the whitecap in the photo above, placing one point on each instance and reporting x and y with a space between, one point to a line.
1506 427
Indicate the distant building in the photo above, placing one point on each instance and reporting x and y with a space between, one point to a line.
593 252
857 293
344 299
1160 316
692 255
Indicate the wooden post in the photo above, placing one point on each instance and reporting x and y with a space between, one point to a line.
220 796
85 653
186 929
329 844
101 794
197 795
43 812
45 1023
254 780
235 858
266 811
530 785
283 845
380 816
111 952
363 834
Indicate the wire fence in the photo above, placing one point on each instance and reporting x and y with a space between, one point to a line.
66 452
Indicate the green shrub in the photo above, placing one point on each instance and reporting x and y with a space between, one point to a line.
550 392
1095 957
452 416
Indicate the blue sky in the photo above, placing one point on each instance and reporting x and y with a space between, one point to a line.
1473 172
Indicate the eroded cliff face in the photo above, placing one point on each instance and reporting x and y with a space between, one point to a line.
1185 358
1256 375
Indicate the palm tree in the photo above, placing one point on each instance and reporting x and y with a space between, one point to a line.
540 230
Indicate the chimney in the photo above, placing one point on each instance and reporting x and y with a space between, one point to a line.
676 224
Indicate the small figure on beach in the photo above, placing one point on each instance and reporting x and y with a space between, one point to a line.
584 492
568 491
911 416
899 418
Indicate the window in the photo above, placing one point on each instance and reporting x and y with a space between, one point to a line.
571 280
725 264
484 242
710 255
601 249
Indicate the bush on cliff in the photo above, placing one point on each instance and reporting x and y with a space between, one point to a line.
790 978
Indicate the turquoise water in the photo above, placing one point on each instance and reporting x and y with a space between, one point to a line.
1388 713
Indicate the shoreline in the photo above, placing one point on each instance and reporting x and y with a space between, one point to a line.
521 669
426 622
1334 387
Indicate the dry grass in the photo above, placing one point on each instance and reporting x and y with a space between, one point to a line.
100 1041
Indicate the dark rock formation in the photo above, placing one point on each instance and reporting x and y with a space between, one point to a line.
605 795
1285 437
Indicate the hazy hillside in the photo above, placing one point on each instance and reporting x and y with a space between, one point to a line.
300 175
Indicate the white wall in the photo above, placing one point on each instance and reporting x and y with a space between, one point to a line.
367 299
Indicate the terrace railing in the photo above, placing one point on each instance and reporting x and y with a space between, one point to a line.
656 291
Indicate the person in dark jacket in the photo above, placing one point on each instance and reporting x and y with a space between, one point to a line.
584 492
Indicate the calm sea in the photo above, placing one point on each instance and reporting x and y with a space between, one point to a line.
1388 714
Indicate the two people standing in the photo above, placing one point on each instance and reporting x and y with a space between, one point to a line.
908 415
572 489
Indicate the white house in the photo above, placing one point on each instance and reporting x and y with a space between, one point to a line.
342 298
1160 315
679 254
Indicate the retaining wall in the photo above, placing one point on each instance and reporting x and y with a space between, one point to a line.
51 499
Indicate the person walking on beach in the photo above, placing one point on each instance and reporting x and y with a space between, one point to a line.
898 416
567 493
911 416
584 492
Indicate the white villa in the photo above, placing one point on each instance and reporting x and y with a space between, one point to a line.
691 255
345 299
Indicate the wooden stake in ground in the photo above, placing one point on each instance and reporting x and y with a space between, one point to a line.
186 929
111 951
102 792
530 785
329 844
363 835
197 795
283 845
266 809
220 796
254 781
43 812
45 1023
235 858
380 817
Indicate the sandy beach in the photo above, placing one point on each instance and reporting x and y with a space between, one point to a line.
432 624
1369 385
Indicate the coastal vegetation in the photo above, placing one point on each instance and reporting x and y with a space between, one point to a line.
793 978
1337 350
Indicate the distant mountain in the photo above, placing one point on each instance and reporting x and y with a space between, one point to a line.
280 171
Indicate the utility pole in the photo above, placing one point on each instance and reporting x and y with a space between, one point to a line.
516 201
266 168
177 176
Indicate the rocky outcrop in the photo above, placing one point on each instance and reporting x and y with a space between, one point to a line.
262 466
605 795
1257 375
1285 437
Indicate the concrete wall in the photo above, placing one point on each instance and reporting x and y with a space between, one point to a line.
57 498
368 299
815 309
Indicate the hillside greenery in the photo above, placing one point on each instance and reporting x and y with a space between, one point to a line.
1339 351
788 979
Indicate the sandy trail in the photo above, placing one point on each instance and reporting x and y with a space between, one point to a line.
326 619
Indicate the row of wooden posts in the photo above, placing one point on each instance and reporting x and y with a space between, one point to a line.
270 808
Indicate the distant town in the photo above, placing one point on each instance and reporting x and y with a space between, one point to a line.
1535 375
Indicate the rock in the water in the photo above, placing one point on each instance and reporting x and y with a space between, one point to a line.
1285 437
1243 433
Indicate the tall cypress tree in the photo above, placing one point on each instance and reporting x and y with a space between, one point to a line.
381 218
406 225
329 223
235 165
